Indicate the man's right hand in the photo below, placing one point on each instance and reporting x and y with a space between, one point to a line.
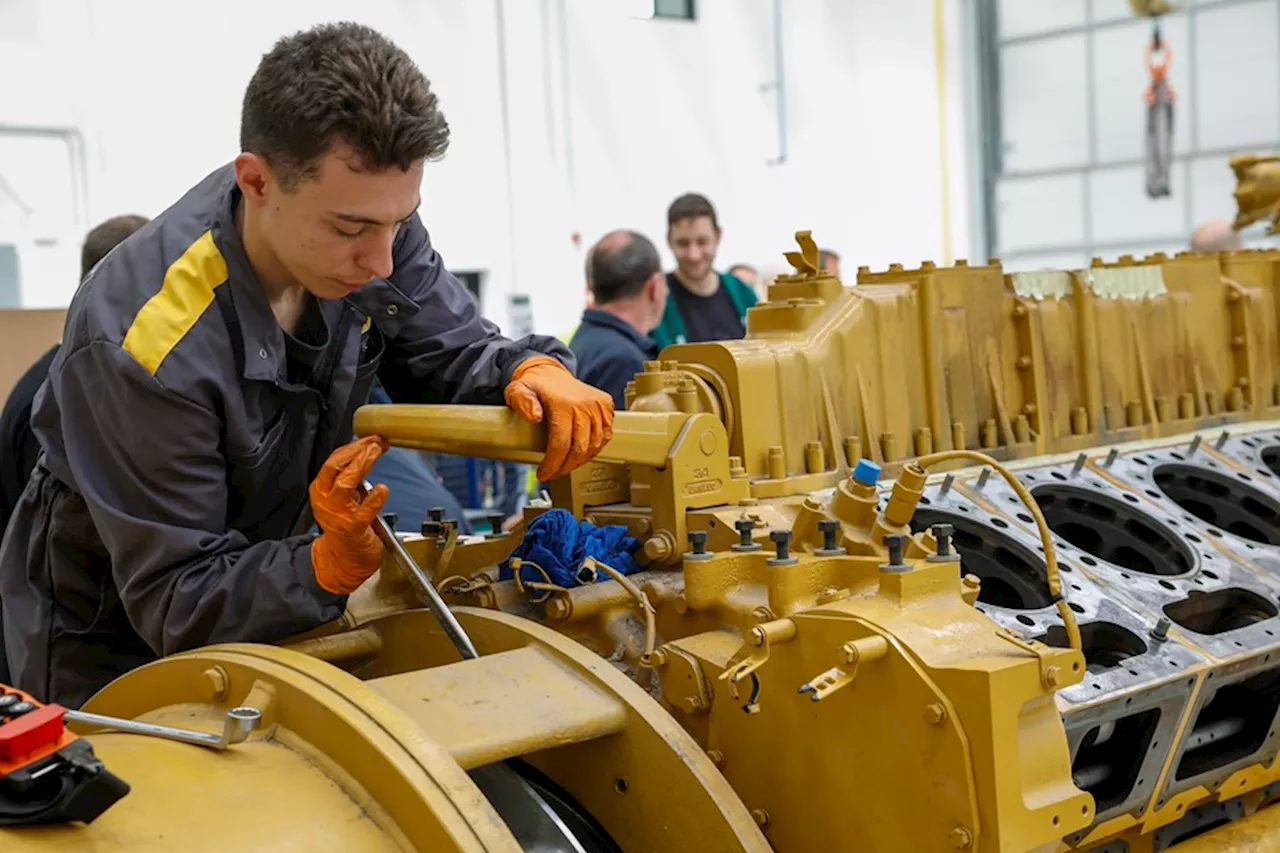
348 551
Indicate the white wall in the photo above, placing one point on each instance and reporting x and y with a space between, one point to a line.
1072 76
608 118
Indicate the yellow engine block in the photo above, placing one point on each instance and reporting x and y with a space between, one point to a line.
950 559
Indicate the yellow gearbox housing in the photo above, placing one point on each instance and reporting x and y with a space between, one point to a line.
948 559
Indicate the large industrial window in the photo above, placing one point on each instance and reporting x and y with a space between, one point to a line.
1064 123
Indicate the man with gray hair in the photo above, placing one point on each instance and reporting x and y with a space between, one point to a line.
629 294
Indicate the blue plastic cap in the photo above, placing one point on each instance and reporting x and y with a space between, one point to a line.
866 472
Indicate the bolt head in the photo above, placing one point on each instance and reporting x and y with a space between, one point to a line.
216 678
935 713
961 838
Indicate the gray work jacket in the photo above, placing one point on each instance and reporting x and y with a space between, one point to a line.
178 450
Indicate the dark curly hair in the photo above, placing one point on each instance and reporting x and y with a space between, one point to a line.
340 83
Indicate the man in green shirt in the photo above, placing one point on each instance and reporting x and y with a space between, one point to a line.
702 305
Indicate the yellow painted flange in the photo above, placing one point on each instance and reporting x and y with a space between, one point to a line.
649 784
333 766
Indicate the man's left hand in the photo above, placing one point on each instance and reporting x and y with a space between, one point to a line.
579 417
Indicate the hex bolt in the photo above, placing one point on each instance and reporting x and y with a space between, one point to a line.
943 533
896 543
698 541
1222 439
982 479
830 528
430 529
782 542
495 522
1112 455
436 513
1195 445
390 518
1160 632
744 527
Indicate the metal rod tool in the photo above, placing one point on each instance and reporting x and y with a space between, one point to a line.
423 584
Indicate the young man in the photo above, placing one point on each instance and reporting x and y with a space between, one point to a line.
19 447
704 305
629 294
211 366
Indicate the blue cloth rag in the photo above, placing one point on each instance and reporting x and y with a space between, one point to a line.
559 543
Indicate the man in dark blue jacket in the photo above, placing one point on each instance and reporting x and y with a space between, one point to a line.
198 416
612 342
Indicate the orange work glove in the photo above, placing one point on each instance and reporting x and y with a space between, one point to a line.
348 550
580 418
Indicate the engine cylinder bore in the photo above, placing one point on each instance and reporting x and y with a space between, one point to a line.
1220 611
1105 644
1012 574
1113 530
1271 458
1222 501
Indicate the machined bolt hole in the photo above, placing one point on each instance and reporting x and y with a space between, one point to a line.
1058 475
1025 619
1025 519
1089 561
1139 460
1131 498
1209 574
1000 523
1191 537
621 785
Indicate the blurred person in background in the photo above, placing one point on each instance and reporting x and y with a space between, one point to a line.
829 261
746 274
702 305
1215 235
629 294
18 444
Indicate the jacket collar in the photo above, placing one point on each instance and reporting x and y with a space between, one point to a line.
260 332
603 319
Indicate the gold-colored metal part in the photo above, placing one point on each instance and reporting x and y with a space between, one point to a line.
1257 190
827 677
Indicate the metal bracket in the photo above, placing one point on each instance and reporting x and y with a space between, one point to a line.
855 652
753 655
